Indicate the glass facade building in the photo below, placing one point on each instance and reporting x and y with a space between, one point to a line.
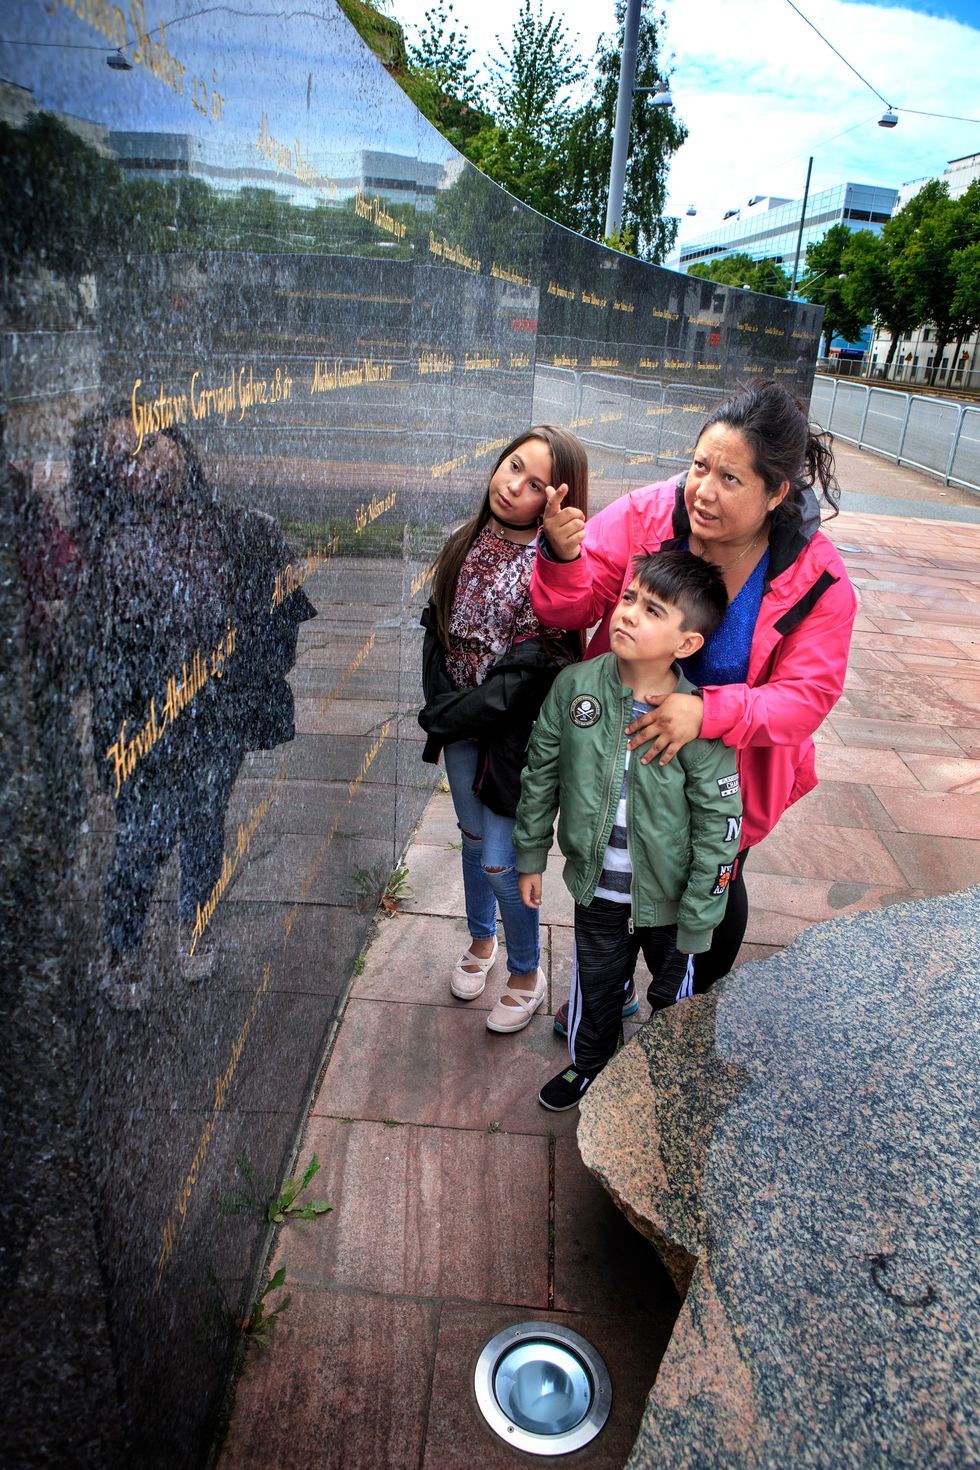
770 233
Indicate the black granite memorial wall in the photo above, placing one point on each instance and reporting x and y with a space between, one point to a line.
264 335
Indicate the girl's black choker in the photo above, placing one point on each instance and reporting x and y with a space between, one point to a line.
512 525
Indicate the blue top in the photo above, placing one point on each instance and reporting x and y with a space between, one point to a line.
724 659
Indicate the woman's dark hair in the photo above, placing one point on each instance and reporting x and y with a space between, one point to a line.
100 485
686 582
570 466
783 443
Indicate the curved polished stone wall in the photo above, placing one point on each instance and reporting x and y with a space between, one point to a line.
264 334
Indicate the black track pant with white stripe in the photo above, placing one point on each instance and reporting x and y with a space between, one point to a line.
602 972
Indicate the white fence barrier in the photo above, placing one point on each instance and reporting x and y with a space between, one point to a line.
937 435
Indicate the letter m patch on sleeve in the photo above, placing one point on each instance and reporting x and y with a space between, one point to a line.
724 878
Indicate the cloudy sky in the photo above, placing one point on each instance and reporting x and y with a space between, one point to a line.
759 92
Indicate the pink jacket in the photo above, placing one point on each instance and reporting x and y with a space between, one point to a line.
798 656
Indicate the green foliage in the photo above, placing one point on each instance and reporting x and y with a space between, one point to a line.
532 139
824 280
535 75
286 1205
764 276
259 1324
372 886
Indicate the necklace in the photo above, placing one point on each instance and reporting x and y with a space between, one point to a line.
514 526
735 560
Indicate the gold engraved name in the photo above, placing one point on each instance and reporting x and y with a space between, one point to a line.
489 446
171 1229
126 751
504 273
562 361
554 289
704 321
650 362
641 459
747 327
290 578
443 250
782 370
352 667
610 418
623 306
605 362
654 411
422 579
774 332
327 375
668 316
519 360
589 298
376 506
375 211
231 862
369 758
436 362
448 465
580 423
292 159
479 361
671 363
709 367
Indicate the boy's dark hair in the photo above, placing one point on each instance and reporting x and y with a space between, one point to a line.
686 582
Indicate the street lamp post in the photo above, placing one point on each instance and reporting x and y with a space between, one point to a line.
799 237
624 111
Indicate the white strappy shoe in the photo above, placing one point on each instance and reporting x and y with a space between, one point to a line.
468 984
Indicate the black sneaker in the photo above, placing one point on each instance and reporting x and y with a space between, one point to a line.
565 1091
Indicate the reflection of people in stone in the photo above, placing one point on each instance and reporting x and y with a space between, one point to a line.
173 601
775 668
47 562
488 663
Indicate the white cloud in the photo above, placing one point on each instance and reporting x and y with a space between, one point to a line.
759 92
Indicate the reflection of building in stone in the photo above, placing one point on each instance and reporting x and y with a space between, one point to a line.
397 178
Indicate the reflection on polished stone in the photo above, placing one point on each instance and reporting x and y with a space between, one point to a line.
264 337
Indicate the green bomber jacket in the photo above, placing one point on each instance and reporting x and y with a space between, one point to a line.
683 820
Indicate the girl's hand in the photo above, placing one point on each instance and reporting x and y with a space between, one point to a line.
563 526
530 889
676 720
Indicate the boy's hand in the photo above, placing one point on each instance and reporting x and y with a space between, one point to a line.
676 720
564 526
530 889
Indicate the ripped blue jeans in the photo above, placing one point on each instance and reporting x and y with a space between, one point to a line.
488 844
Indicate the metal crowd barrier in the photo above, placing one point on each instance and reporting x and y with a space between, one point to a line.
937 435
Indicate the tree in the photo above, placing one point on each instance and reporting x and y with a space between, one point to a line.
930 265
655 135
824 284
764 276
535 76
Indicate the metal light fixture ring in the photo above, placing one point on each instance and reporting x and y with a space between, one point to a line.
542 1388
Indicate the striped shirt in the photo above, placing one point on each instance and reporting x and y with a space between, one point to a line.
616 877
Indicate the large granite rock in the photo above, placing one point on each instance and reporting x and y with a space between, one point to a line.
801 1146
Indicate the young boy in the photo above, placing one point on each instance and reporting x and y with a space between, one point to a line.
649 849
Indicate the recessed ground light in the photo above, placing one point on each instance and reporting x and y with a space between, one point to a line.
542 1388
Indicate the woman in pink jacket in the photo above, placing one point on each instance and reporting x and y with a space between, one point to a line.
776 666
